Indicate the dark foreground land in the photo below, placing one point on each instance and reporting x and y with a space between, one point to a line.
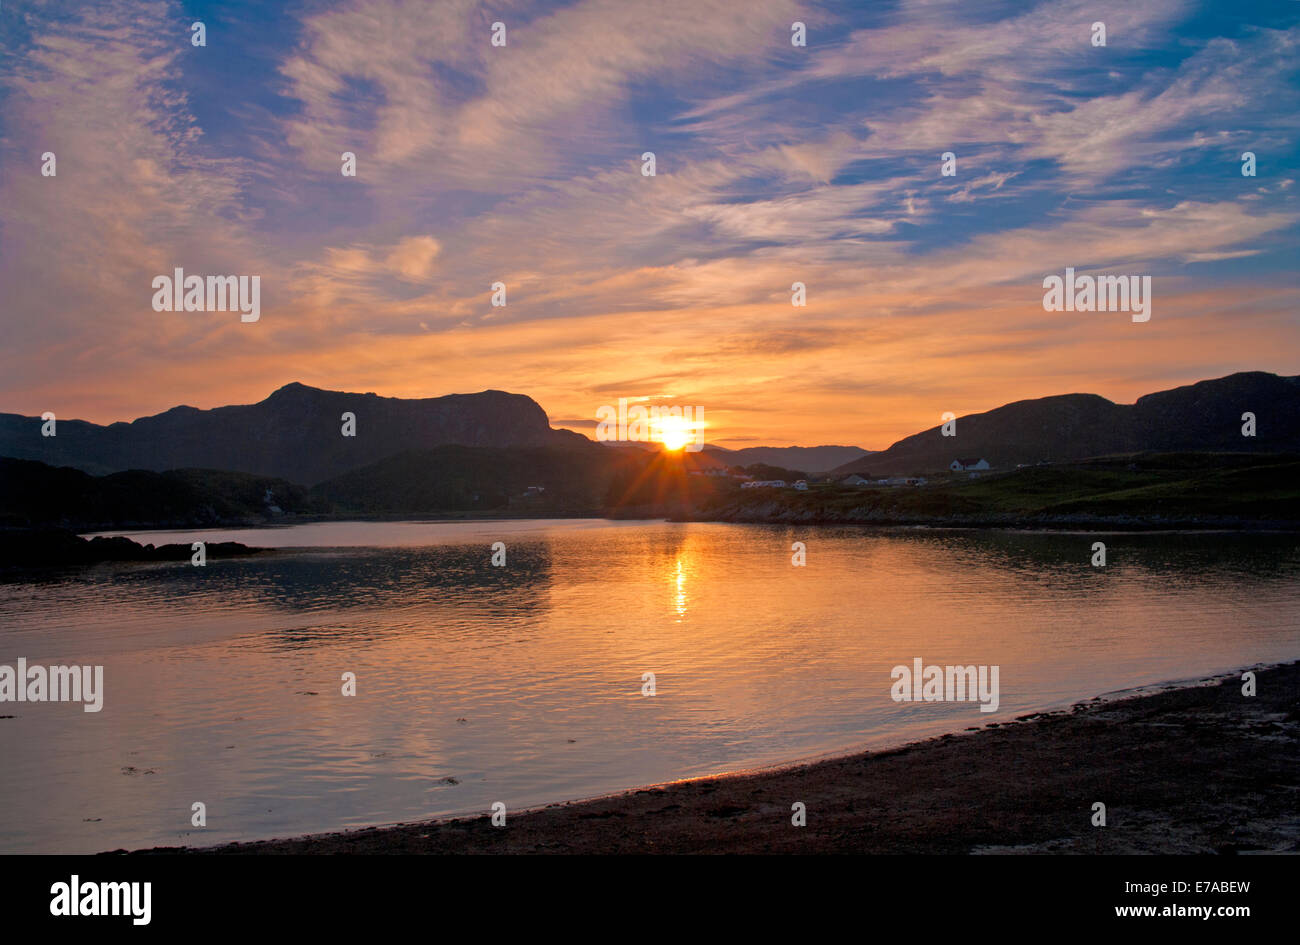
1202 769
1134 491
1239 491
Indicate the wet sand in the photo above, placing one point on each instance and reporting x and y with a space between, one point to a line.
1200 769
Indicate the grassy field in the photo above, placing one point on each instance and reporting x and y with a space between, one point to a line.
1144 488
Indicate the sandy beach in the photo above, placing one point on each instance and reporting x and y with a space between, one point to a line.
1196 769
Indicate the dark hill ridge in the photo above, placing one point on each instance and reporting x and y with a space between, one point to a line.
580 479
814 459
480 479
294 434
34 495
1205 416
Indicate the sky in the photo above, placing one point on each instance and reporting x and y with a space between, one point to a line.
522 164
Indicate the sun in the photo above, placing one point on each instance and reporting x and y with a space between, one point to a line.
674 432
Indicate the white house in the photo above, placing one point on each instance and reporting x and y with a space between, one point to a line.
802 485
854 480
958 465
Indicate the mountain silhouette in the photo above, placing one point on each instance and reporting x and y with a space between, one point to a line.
813 459
1206 416
294 434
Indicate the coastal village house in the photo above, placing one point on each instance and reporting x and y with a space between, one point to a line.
960 465
856 480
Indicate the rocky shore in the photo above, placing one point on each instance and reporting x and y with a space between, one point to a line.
56 547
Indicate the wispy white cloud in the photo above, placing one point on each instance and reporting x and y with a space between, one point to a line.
521 164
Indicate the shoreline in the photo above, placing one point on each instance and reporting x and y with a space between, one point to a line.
1191 767
1091 526
987 522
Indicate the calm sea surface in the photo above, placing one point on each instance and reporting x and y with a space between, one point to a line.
523 684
